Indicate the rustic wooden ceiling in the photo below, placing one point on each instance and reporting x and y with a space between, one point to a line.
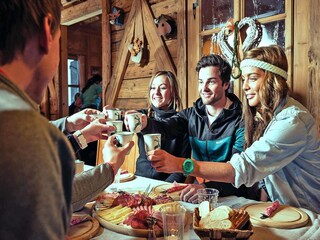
79 16
79 10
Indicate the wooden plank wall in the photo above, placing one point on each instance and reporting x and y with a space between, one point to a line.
134 89
313 86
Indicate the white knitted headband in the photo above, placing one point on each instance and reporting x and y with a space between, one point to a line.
264 65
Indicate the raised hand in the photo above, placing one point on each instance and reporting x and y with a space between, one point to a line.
96 130
81 119
163 161
115 155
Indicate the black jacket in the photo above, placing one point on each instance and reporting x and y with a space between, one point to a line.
178 147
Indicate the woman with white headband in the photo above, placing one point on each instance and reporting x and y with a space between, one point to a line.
281 139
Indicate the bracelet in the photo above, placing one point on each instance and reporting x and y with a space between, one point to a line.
80 139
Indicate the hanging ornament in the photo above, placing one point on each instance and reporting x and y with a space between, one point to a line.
247 27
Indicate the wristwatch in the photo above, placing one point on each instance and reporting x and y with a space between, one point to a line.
81 140
188 167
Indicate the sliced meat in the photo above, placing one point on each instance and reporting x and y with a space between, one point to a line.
176 188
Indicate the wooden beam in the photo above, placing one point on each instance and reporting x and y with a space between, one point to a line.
63 75
122 62
313 102
162 55
81 12
301 41
106 49
193 51
182 51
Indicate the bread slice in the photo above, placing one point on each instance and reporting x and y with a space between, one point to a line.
221 213
220 217
209 223
204 209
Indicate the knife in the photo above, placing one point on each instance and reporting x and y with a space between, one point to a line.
146 192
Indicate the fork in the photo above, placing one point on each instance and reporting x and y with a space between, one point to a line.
146 192
151 221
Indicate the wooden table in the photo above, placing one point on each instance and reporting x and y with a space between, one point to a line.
310 231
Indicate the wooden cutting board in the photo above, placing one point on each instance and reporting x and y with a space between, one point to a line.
85 230
126 177
160 188
284 217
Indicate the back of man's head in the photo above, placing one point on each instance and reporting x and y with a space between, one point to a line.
21 20
213 60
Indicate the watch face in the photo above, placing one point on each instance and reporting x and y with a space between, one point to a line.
188 166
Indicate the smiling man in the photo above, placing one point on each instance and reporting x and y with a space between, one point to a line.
214 126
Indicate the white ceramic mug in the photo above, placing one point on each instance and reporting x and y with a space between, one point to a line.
123 138
114 114
134 121
152 141
117 124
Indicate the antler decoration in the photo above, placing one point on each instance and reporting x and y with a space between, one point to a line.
252 40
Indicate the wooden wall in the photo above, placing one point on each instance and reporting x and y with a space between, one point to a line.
85 44
134 85
313 81
133 92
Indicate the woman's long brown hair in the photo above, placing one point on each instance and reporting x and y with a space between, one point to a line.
273 90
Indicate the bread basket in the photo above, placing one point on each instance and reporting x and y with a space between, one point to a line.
244 230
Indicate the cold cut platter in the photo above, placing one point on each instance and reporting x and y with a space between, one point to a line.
133 214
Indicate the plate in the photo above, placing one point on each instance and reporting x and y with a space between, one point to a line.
126 177
85 230
158 189
285 216
124 229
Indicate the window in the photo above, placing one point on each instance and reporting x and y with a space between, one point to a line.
73 80
270 13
